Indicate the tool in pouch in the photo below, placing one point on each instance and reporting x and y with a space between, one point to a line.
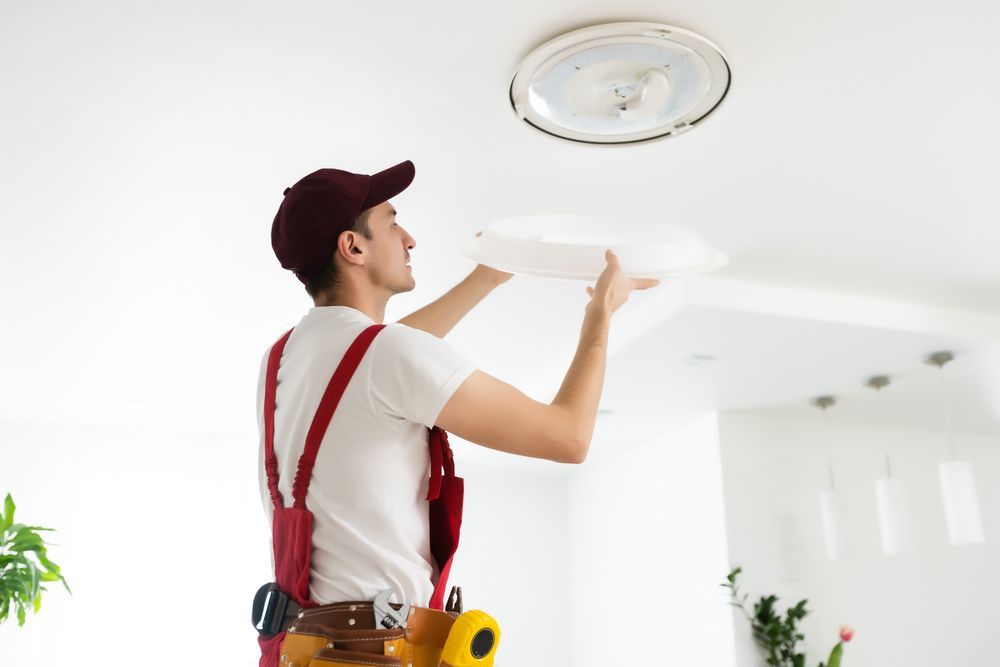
473 636
472 639
387 617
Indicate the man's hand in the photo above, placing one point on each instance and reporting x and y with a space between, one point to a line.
612 288
493 276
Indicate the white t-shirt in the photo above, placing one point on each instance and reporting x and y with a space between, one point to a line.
369 487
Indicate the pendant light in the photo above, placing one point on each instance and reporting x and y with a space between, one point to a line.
958 485
894 517
831 503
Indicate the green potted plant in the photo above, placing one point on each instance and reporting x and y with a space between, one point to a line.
779 634
24 566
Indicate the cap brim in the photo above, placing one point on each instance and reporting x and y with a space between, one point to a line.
389 183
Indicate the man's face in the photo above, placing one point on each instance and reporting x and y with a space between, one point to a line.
390 250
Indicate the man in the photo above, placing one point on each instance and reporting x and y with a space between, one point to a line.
370 524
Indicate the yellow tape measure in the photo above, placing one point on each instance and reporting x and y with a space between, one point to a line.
472 641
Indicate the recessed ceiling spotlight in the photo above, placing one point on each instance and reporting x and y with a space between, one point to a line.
620 83
698 359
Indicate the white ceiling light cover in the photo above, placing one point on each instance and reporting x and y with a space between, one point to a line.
572 247
620 83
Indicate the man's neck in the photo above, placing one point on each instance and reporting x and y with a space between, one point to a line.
368 304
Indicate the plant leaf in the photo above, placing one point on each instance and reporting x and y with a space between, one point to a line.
8 513
43 558
835 654
26 541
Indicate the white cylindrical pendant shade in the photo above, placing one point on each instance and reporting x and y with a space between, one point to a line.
894 518
832 515
961 506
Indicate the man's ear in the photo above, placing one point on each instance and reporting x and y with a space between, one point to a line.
350 246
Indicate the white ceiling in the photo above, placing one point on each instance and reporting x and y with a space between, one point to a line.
144 149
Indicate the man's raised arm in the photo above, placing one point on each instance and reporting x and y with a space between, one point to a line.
441 316
492 413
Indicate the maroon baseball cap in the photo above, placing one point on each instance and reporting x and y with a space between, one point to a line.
325 203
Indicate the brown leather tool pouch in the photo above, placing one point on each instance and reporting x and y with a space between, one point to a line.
307 644
334 658
298 649
344 634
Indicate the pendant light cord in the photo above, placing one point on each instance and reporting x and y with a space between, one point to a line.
948 414
829 453
888 463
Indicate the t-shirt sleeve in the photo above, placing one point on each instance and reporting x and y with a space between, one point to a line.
414 373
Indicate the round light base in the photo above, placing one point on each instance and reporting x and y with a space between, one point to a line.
573 247
620 83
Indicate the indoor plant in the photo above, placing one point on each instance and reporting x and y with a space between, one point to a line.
24 566
779 635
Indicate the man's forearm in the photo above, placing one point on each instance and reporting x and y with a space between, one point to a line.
441 316
580 392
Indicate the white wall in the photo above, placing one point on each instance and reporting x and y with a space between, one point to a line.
619 563
161 533
512 561
648 549
936 606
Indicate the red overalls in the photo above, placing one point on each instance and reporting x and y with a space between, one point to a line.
291 529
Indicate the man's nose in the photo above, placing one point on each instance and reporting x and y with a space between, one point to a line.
411 242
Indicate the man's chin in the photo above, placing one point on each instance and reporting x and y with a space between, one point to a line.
405 287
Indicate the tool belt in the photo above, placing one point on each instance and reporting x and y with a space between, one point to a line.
345 633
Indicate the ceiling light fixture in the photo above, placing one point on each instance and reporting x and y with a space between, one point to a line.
572 247
958 484
894 517
832 505
619 83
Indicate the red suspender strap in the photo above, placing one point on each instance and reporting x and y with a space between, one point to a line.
270 389
441 457
446 495
327 406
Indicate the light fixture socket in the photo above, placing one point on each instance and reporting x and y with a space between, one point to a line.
823 402
939 359
876 382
